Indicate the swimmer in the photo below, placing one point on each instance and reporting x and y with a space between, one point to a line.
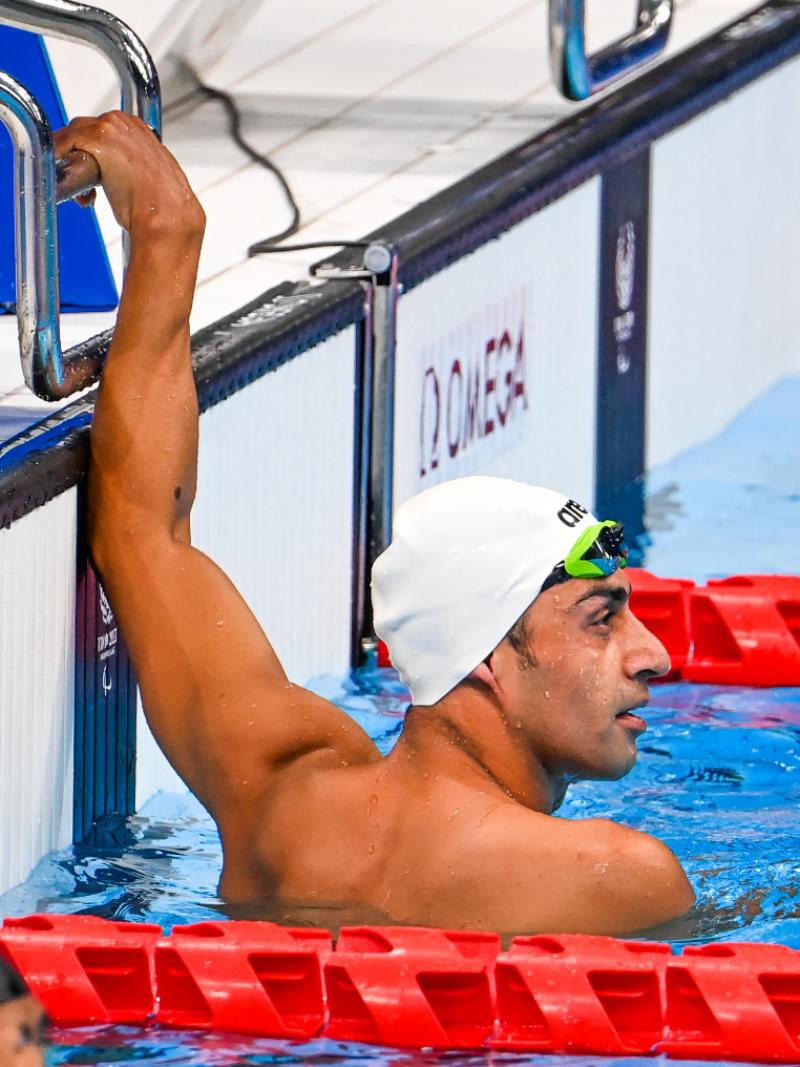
505 608
22 1022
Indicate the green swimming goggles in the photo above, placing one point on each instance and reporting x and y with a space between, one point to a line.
599 551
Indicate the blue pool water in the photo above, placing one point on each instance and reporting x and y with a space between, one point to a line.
718 777
730 505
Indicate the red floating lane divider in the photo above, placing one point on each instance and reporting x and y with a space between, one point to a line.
733 1002
746 631
662 604
83 969
411 986
580 994
246 977
418 987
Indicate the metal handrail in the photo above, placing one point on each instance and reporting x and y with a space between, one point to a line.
138 78
41 181
50 373
578 75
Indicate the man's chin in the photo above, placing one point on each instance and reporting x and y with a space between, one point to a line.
610 770
620 764
622 770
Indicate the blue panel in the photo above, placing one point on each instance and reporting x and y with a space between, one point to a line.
85 276
105 706
622 355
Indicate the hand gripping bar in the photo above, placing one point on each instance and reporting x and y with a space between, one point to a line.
578 75
41 182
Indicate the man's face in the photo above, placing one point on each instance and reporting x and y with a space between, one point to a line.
590 662
21 1033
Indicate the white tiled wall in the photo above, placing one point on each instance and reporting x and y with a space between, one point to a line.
37 654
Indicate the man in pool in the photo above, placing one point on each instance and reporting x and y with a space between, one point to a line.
22 1022
504 606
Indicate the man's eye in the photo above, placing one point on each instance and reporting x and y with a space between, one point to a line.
604 619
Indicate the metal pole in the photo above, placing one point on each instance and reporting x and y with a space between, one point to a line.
381 465
77 173
380 273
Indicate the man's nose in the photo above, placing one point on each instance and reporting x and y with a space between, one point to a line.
646 655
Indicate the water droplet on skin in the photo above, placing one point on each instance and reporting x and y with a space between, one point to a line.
547 694
219 622
371 848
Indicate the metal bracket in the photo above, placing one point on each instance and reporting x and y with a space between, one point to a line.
578 75
378 271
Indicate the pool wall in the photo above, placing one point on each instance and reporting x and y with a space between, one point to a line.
591 303
724 318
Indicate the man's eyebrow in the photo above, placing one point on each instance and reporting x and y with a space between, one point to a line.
616 593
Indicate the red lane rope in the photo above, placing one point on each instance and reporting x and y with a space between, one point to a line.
417 987
743 630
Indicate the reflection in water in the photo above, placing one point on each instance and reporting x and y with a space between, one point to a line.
116 1044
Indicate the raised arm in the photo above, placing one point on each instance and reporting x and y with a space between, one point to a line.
214 691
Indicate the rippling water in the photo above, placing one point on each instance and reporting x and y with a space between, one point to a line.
718 779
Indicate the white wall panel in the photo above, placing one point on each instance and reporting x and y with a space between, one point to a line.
725 273
275 510
522 309
37 655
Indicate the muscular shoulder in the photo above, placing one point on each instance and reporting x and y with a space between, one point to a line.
275 734
541 873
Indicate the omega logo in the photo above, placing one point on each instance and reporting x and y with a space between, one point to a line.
475 395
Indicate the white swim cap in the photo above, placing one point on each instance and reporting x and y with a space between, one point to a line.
466 560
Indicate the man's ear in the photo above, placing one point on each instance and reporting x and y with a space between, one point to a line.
484 674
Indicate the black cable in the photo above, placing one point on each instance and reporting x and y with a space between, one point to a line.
306 245
234 117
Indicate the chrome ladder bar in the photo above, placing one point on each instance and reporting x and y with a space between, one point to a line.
72 21
41 181
579 75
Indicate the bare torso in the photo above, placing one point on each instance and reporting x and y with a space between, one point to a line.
426 838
